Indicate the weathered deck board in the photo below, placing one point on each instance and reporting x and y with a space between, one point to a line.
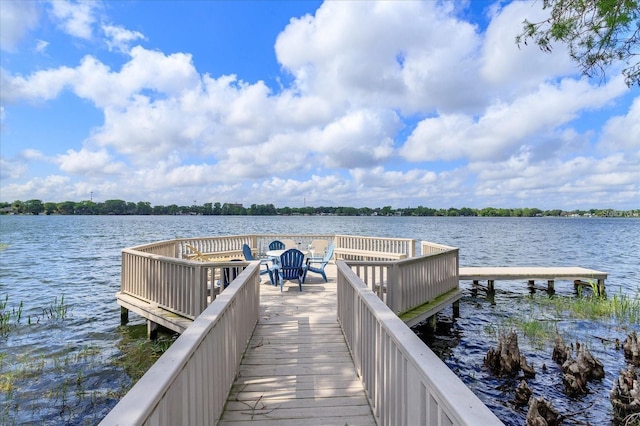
298 369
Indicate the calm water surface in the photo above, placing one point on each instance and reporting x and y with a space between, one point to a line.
62 371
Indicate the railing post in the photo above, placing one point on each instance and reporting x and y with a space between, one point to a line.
199 289
394 288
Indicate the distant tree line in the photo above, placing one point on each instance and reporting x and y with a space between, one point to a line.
121 207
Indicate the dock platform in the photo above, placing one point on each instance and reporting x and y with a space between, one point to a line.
297 368
533 273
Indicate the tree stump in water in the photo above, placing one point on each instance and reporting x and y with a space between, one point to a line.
506 359
523 393
542 413
561 351
625 394
631 348
579 371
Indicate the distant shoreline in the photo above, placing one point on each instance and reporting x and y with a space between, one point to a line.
144 208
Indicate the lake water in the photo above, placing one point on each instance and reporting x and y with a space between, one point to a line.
61 371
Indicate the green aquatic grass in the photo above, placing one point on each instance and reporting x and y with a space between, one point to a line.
539 321
17 375
56 310
619 307
11 316
537 332
140 353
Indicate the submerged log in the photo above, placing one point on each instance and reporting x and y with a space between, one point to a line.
523 393
625 394
542 413
579 371
506 359
631 348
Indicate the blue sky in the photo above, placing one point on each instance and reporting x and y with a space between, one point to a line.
306 103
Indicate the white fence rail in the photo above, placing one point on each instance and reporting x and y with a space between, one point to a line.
181 286
427 247
409 283
355 247
406 383
190 382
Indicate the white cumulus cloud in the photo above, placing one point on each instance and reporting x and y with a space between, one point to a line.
16 19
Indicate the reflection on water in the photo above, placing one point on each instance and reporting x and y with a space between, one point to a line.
55 371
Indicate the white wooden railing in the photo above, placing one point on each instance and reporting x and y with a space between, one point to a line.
408 283
180 286
355 247
190 382
224 247
161 273
302 241
427 247
406 383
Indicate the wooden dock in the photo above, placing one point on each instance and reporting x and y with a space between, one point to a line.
531 274
297 368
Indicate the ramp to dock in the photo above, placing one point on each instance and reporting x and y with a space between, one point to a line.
298 369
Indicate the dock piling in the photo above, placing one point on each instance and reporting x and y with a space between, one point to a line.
124 315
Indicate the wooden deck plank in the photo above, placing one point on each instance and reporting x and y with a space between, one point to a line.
298 369
298 403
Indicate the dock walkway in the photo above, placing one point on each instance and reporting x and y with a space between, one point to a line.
297 368
532 273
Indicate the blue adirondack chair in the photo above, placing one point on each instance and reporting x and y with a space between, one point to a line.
321 262
276 245
290 267
246 251
229 274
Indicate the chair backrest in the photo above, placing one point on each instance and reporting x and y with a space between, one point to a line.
246 251
197 254
276 245
230 273
329 254
291 264
288 244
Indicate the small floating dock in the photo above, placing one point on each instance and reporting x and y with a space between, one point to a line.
532 273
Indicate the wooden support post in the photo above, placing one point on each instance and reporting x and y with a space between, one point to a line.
490 286
124 315
531 283
601 287
456 309
432 322
152 330
551 286
476 283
